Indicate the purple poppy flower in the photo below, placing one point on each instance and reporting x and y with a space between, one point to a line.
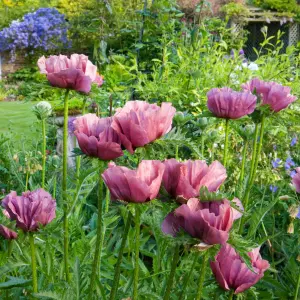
138 185
96 137
208 221
229 104
273 94
30 210
7 233
231 272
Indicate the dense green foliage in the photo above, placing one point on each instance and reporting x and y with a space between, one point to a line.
150 52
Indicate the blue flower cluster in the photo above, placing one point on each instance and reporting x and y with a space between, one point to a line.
45 29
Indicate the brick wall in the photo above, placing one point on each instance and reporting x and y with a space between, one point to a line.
10 67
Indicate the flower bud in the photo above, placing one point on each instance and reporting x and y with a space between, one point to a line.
42 110
291 228
293 211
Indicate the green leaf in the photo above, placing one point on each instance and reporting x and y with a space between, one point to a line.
205 195
47 295
257 216
14 282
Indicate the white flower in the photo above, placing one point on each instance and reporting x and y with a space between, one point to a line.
253 66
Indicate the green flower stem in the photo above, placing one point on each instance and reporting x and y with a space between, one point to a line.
78 158
172 273
252 178
64 186
115 286
54 187
77 165
10 247
107 201
99 236
43 152
254 150
202 275
202 146
231 295
137 252
27 180
188 276
261 136
297 287
243 162
33 263
226 143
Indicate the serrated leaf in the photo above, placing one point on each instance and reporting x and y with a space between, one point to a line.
205 195
257 216
47 295
15 282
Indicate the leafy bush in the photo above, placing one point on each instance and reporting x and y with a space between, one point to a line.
279 5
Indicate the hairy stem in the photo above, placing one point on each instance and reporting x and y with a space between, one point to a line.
172 273
252 178
27 180
33 263
297 287
254 150
202 275
43 152
136 252
188 276
231 295
244 156
99 236
115 286
64 186
226 143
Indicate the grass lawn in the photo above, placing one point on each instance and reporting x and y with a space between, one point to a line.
18 119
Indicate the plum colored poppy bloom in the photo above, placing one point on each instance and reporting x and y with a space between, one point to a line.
139 123
229 104
7 233
183 180
139 185
273 94
232 273
97 138
30 210
76 73
208 221
296 180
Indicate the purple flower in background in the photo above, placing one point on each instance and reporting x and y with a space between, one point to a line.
294 141
71 126
298 214
293 173
44 29
275 163
274 147
273 188
289 163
